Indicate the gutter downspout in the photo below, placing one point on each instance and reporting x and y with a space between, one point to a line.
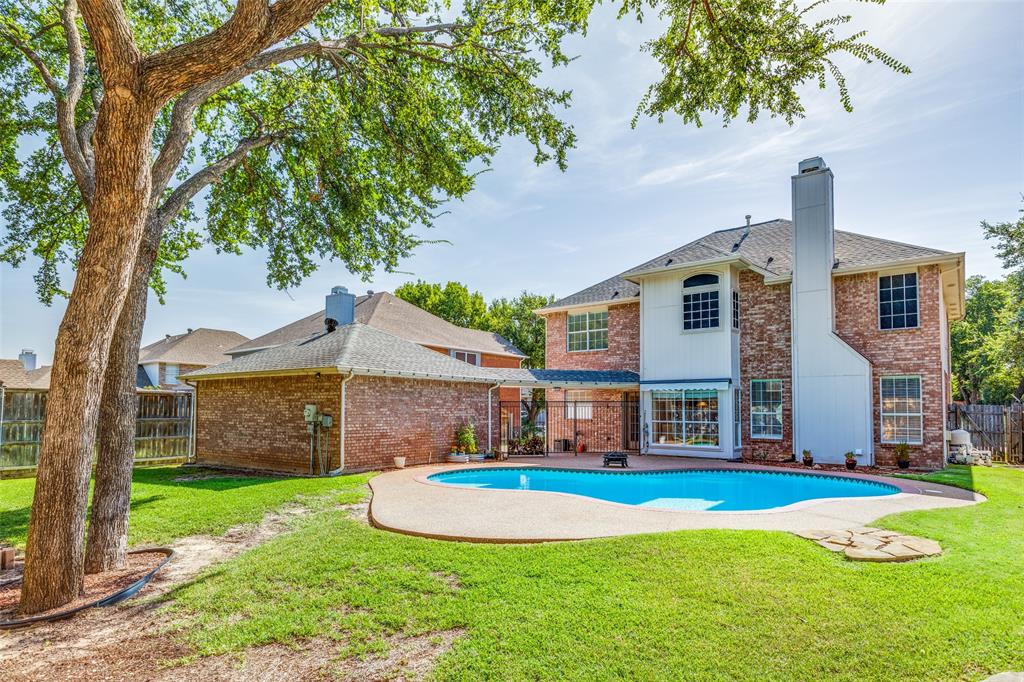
490 440
341 428
3 397
192 426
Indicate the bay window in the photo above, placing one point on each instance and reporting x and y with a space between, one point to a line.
688 418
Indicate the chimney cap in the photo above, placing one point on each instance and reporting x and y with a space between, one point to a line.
815 163
339 290
27 350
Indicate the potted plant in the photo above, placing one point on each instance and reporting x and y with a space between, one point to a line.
808 458
902 452
399 462
466 439
851 461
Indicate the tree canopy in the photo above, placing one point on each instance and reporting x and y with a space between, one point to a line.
343 140
513 318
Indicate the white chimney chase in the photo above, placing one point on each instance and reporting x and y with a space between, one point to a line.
832 408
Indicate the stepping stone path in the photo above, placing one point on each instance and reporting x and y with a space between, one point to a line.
874 544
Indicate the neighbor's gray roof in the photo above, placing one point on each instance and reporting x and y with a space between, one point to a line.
768 247
389 313
365 349
197 347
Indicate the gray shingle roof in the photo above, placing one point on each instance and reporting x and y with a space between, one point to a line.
197 347
14 375
360 347
768 246
389 313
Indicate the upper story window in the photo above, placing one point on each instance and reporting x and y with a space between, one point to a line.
466 356
170 374
735 310
587 331
700 302
897 301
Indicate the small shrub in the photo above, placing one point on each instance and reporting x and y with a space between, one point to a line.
466 438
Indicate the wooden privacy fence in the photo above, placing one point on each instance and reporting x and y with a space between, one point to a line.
163 430
998 428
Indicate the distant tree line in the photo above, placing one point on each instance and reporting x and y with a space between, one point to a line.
988 343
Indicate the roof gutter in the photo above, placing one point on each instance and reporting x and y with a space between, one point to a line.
955 259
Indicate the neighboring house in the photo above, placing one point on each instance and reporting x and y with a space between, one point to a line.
765 340
387 312
351 396
23 373
161 363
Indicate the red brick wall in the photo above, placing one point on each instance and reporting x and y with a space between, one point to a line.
623 351
899 351
601 433
256 423
491 360
765 353
388 417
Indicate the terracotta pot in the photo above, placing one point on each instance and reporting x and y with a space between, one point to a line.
851 464
808 461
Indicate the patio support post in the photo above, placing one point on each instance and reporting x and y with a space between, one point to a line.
490 438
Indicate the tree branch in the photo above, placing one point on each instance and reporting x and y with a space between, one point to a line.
184 192
34 58
117 55
254 26
67 102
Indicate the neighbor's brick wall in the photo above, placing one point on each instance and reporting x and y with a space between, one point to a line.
492 360
256 423
623 351
901 351
765 353
388 417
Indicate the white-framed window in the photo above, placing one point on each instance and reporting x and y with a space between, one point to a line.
766 408
170 374
587 331
700 302
737 428
902 416
897 301
735 310
578 405
687 418
466 356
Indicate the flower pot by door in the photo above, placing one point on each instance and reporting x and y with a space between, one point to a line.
400 462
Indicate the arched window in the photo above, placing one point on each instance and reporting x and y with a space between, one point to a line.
700 302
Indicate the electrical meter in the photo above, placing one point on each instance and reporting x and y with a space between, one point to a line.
309 413
326 421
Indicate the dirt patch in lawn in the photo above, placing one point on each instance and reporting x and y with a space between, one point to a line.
96 641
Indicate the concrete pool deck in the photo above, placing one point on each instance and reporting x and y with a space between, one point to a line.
404 501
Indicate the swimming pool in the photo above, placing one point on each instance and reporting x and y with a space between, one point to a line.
693 490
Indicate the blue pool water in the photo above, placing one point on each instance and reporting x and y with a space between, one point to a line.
712 490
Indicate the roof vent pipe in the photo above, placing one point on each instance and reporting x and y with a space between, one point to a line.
340 308
746 233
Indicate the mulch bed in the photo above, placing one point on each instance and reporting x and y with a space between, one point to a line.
97 586
876 471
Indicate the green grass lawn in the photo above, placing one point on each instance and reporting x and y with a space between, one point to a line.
164 508
684 605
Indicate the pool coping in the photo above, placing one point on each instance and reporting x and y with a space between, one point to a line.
405 501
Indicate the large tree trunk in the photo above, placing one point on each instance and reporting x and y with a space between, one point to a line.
108 521
54 553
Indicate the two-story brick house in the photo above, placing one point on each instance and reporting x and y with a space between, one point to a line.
764 340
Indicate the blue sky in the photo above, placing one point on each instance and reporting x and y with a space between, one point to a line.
922 159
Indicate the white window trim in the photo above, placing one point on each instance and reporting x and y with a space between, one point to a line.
755 436
684 421
685 291
737 418
453 351
878 299
882 414
586 332
735 310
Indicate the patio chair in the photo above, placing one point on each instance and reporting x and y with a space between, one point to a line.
617 457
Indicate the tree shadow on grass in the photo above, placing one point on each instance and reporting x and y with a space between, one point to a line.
199 479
